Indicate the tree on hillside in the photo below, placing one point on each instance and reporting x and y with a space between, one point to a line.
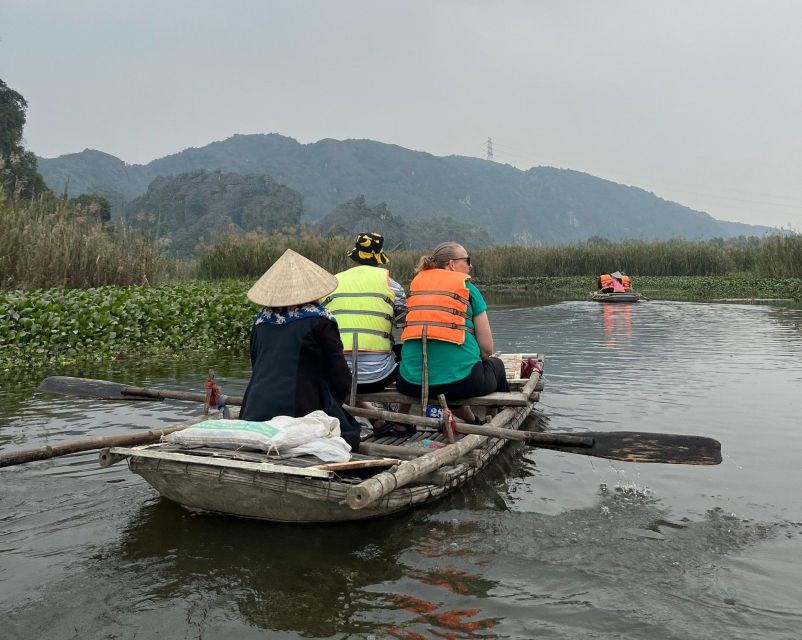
93 205
18 172
355 216
185 210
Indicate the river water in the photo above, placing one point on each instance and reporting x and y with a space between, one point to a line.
544 544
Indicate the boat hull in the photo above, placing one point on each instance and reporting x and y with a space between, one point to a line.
628 296
297 499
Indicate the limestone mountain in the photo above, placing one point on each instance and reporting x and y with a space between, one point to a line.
184 210
542 205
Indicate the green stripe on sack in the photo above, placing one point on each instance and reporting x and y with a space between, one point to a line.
262 428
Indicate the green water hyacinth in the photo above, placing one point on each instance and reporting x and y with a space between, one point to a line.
48 327
62 326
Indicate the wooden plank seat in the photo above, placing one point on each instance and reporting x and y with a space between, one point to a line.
509 399
512 398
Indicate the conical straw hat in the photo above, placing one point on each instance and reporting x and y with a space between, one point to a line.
292 280
616 274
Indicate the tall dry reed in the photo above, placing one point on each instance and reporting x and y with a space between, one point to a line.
47 243
250 255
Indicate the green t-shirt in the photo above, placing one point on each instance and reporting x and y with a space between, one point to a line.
448 362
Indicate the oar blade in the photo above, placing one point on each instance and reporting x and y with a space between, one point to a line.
634 446
86 388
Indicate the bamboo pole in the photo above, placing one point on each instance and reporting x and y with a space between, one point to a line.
530 437
101 442
375 488
392 451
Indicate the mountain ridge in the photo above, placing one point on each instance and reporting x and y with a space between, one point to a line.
540 205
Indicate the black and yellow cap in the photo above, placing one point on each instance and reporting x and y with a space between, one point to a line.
368 249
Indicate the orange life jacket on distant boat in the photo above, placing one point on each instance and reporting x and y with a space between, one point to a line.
438 300
606 281
626 282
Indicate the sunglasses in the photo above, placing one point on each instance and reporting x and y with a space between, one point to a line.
466 258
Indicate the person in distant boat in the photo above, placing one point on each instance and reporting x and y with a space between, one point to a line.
613 283
297 357
449 311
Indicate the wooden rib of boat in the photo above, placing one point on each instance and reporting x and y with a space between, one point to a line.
304 490
620 296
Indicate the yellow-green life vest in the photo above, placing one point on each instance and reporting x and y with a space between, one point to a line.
363 306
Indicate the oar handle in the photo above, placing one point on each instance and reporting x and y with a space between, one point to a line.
168 394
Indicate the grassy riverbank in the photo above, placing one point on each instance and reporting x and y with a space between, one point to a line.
46 329
744 286
74 288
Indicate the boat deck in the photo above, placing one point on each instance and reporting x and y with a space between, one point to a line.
303 489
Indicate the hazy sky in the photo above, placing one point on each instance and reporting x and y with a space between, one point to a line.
698 101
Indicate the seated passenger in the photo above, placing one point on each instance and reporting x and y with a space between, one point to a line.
611 282
296 354
618 285
446 309
605 283
366 302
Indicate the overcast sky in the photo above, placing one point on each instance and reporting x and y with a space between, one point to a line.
698 101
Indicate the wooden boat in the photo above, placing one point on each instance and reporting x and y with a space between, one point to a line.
390 474
620 296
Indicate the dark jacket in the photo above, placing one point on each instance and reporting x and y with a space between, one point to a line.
298 368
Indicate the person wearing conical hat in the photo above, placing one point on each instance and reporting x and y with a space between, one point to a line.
297 357
614 282
366 303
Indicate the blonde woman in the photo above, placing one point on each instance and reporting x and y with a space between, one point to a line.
445 306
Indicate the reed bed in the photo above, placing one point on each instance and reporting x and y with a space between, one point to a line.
250 255
775 257
48 243
780 257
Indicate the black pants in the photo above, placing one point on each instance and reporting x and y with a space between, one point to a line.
486 377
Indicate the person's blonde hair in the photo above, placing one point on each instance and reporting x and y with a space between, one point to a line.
439 258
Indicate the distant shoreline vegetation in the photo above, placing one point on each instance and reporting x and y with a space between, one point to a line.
76 289
58 242
47 328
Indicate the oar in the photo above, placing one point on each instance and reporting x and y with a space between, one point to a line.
101 442
104 390
628 446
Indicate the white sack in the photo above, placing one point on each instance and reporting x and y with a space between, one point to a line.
278 434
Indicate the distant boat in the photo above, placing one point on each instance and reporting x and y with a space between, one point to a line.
616 296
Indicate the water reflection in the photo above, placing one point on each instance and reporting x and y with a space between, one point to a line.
617 323
315 581
280 577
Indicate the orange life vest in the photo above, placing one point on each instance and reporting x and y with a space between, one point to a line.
606 281
438 300
626 282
